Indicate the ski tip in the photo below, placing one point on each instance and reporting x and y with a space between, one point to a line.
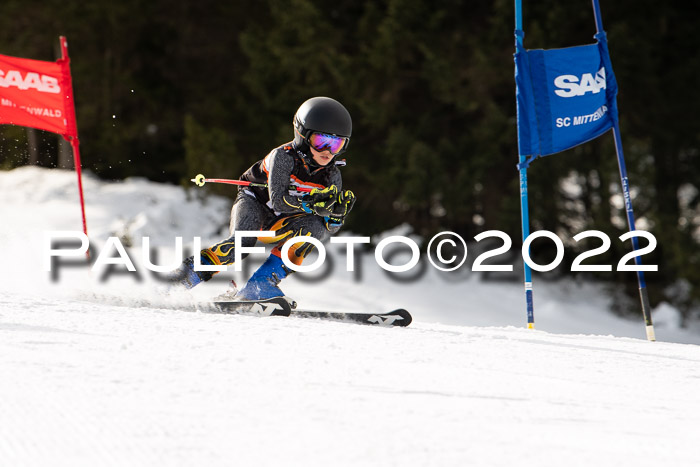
398 317
406 317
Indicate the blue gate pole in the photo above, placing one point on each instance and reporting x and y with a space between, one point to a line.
524 211
643 294
525 217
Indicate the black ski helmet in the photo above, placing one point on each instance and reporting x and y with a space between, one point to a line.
323 115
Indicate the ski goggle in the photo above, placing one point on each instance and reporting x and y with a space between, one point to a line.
323 141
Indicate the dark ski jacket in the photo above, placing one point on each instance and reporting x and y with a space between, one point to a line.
283 167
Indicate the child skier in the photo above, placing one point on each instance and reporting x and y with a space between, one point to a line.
322 129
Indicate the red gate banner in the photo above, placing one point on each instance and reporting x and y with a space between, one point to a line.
37 94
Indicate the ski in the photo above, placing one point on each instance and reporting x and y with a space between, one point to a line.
399 317
280 306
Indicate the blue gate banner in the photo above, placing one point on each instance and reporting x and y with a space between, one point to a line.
565 96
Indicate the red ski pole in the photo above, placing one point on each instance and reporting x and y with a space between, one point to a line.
200 180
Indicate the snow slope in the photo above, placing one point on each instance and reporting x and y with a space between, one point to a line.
110 372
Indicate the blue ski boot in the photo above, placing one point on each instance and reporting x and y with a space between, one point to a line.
186 276
263 283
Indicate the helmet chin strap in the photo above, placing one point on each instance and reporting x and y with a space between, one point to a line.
312 163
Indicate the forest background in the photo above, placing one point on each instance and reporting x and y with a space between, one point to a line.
168 89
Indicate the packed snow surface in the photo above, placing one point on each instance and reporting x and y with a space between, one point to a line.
104 368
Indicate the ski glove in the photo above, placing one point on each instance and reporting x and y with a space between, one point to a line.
343 204
320 201
330 204
341 208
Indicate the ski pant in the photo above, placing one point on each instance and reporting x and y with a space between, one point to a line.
248 213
